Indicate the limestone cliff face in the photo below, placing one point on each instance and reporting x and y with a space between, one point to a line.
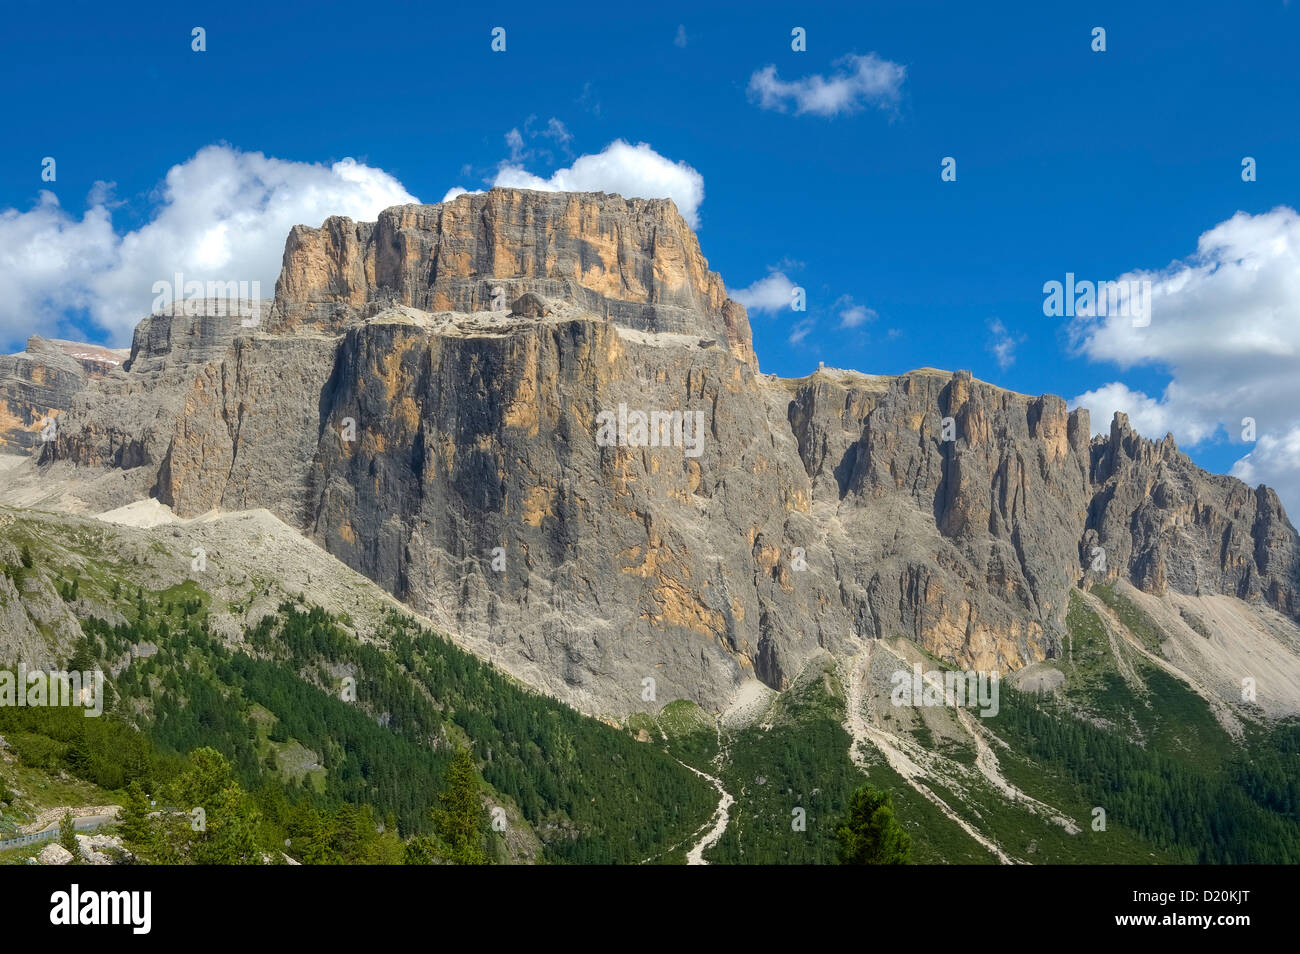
1166 524
39 383
130 418
634 259
967 544
487 468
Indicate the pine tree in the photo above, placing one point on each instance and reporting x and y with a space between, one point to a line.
231 835
461 821
68 836
871 835
226 833
421 850
82 658
135 818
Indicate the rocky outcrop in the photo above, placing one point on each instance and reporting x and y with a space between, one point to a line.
595 484
55 854
635 261
529 305
91 850
38 384
103 850
962 501
130 421
1166 524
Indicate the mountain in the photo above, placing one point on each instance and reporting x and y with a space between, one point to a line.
39 382
520 441
424 399
251 657
322 708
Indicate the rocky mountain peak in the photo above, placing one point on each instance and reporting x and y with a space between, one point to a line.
634 261
38 384
537 418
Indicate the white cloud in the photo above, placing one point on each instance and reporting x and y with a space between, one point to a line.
589 99
771 294
523 145
800 331
516 143
679 40
853 315
1274 461
1002 343
1225 326
631 171
558 131
221 215
1150 417
457 190
858 81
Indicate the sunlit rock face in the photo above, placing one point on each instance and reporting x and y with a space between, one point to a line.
537 418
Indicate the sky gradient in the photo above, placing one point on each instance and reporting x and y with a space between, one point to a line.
818 168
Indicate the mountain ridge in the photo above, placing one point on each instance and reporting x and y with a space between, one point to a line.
820 510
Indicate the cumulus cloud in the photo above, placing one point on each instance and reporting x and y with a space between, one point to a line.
857 82
770 294
1150 417
853 315
631 171
1275 461
1225 325
221 215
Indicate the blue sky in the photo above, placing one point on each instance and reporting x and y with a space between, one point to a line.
1068 160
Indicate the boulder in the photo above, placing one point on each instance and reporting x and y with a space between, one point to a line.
529 305
55 854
